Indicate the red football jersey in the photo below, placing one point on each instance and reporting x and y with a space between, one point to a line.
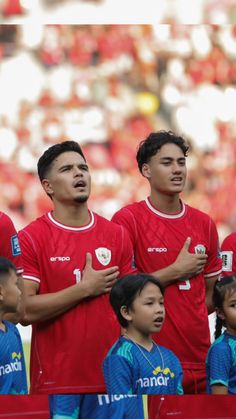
19 407
228 254
9 243
157 240
191 407
67 352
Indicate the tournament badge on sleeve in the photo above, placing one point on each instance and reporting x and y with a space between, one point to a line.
227 260
103 255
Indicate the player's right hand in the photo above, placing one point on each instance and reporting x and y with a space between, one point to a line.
98 281
189 264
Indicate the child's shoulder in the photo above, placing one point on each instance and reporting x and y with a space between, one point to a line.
123 348
10 325
224 339
11 328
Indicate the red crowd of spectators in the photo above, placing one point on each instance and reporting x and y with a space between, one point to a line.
116 80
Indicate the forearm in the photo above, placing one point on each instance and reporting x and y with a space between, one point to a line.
43 307
168 275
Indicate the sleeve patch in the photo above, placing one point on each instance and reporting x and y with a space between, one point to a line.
227 260
15 246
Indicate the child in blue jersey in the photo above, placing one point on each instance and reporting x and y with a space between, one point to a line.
12 363
135 364
221 358
97 406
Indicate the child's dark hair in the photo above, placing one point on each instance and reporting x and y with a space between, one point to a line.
125 290
226 284
45 161
5 267
150 146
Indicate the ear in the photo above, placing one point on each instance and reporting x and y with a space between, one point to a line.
47 186
146 171
220 313
125 312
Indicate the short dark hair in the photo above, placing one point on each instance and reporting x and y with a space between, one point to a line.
226 284
6 266
125 290
45 161
150 146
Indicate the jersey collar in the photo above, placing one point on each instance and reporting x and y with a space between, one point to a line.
164 215
70 228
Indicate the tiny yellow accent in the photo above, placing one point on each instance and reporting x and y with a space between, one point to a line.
16 355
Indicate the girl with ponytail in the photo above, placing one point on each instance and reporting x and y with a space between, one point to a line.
221 358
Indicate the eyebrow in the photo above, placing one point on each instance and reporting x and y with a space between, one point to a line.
172 158
80 165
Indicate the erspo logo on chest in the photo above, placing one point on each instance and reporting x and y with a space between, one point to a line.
103 255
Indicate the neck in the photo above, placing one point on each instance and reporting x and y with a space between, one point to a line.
72 215
231 331
140 339
169 204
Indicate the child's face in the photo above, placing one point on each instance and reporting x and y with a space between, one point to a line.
11 294
229 312
148 312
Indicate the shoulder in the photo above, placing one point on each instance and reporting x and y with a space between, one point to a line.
11 328
130 210
108 225
34 226
198 213
221 344
123 349
229 240
5 221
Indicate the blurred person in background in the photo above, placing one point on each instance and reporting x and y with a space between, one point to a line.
228 254
178 244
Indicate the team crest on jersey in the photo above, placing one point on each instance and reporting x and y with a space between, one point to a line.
200 249
103 255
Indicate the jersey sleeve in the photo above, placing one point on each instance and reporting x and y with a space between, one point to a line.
118 374
214 263
127 255
9 242
218 365
179 377
29 257
228 254
125 218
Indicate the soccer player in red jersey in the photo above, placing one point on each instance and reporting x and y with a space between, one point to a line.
179 244
10 249
228 254
9 243
71 258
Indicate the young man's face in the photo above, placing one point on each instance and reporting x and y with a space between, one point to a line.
166 171
68 181
147 311
11 294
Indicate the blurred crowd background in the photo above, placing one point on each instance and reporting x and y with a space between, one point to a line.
164 11
108 86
